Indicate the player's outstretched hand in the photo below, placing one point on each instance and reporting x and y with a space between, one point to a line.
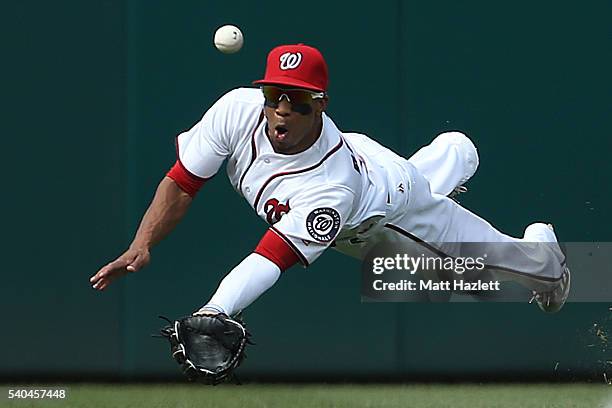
131 260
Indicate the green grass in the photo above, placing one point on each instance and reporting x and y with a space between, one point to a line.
322 395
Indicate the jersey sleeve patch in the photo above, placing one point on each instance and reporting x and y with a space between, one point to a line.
323 224
188 182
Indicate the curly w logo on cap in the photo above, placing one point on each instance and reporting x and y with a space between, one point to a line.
290 60
297 66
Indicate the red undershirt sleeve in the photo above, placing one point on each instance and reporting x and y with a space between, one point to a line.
187 181
274 248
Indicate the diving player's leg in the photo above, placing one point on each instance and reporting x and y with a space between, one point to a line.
449 161
443 224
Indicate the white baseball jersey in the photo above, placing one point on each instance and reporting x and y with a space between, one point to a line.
350 191
308 197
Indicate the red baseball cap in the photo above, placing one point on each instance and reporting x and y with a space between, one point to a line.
296 65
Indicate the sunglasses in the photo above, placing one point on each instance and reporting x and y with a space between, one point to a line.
299 99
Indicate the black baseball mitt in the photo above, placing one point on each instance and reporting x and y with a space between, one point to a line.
207 347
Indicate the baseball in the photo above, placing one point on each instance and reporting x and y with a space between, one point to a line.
228 39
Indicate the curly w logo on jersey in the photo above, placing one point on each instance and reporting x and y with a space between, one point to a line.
323 224
290 60
275 210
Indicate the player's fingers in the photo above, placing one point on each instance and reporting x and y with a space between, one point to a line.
104 277
118 265
102 273
131 261
98 275
103 283
98 284
141 260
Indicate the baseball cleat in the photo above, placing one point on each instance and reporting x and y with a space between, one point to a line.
553 301
456 191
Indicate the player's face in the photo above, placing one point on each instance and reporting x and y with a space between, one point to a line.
294 118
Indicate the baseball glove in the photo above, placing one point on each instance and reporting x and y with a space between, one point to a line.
207 347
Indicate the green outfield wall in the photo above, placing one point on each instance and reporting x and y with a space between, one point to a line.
95 92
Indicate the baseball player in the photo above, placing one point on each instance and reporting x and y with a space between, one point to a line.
318 187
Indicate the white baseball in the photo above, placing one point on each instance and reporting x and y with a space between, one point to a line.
228 39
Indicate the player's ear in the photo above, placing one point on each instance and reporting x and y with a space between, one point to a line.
321 104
